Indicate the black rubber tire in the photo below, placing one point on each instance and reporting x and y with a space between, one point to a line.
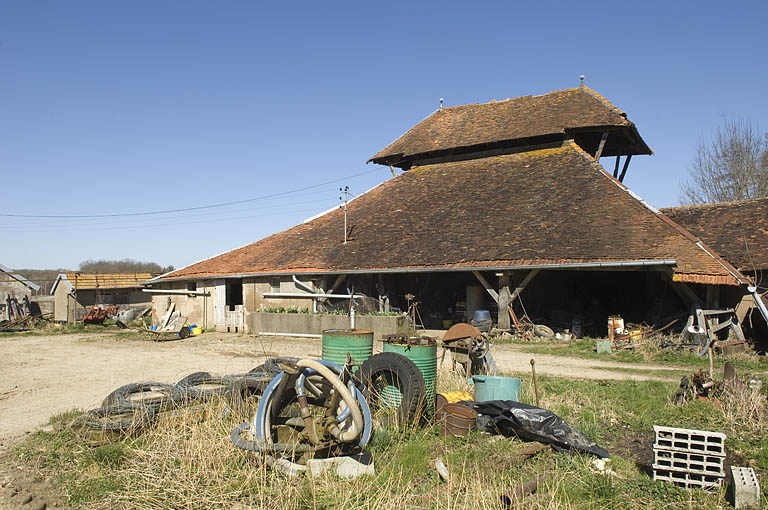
393 369
271 366
248 385
203 385
115 418
194 379
184 332
130 396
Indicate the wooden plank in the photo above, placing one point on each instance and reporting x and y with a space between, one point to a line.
746 304
601 146
167 316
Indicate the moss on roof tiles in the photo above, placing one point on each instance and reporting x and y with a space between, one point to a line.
737 230
511 119
505 211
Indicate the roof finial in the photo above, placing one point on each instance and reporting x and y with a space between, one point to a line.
441 103
581 80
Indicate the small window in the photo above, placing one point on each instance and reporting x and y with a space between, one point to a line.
274 283
191 286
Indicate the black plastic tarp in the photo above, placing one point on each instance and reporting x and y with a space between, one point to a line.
530 423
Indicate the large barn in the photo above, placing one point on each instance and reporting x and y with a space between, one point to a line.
499 206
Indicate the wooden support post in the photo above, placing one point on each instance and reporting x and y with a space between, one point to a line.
602 144
616 167
504 302
626 166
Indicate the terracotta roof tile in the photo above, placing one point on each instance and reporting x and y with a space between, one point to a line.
737 230
526 117
538 208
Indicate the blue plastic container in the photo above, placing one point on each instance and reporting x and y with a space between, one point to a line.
492 387
481 315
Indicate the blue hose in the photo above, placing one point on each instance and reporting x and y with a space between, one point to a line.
259 427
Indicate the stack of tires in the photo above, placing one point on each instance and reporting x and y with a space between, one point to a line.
136 406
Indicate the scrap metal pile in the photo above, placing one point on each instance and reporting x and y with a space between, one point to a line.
97 314
16 315
317 415
311 410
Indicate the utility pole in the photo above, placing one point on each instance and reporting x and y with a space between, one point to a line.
344 207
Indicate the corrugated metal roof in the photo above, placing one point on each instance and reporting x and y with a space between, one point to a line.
21 279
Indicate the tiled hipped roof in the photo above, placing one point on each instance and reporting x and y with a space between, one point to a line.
520 118
511 211
737 230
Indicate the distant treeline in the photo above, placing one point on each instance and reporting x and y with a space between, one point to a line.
122 266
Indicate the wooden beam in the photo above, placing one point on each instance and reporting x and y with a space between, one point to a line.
602 144
626 166
487 286
616 167
521 286
686 295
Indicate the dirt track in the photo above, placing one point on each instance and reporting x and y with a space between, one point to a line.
45 375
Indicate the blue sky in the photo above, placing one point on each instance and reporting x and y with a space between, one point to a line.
128 108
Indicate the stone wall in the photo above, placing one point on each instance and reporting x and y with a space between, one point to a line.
315 323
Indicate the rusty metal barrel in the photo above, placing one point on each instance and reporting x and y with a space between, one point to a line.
337 343
423 353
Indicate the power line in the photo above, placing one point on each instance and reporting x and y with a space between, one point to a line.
186 209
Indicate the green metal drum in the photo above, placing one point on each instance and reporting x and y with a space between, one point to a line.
424 356
338 342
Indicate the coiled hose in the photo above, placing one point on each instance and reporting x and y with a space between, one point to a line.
354 407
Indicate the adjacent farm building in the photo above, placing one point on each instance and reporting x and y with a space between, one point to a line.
74 293
15 292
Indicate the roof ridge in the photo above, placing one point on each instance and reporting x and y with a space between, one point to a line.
603 100
681 230
713 205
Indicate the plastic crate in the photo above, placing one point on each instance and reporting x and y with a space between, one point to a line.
688 440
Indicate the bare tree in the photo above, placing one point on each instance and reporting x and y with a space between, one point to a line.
733 166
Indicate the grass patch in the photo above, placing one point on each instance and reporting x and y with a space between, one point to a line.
187 460
649 351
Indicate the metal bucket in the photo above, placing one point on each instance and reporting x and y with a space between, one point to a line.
451 397
457 420
424 356
338 342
